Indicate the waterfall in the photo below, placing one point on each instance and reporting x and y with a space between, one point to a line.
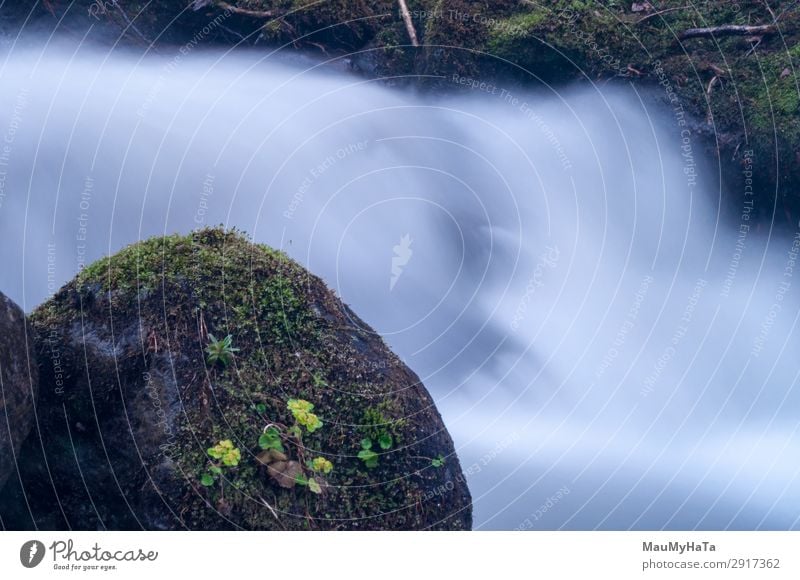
606 350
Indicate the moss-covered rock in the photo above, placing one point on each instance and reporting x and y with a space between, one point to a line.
154 428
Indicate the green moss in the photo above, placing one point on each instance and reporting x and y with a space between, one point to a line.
521 23
776 93
378 420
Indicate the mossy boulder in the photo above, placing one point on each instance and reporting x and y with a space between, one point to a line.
160 426
18 385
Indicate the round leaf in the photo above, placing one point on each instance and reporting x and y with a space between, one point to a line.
385 441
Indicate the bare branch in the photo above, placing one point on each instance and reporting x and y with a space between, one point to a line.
412 34
728 30
245 11
130 24
711 84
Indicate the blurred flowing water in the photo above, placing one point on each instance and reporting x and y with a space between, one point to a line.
604 350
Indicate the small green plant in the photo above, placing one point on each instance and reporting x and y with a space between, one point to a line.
318 465
220 351
321 465
226 455
288 473
208 479
367 455
260 408
271 439
302 412
385 441
312 484
377 426
438 461
225 452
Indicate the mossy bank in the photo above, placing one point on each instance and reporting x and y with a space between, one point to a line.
206 382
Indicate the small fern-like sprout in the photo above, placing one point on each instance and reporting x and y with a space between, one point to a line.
220 351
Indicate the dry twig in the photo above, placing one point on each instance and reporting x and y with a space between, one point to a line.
412 34
728 30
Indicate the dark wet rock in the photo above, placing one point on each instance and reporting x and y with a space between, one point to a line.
18 386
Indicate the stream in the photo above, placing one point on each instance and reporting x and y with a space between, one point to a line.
606 351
